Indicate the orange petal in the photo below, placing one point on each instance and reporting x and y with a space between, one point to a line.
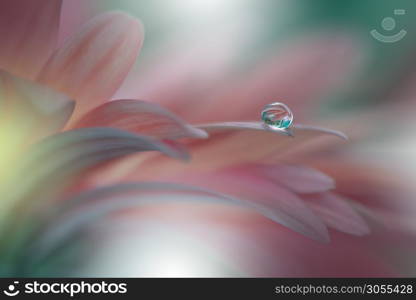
28 31
91 65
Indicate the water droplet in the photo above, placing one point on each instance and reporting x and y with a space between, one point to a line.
277 116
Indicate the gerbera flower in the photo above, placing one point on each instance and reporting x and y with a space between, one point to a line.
57 184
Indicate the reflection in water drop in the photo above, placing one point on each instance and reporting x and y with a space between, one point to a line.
277 116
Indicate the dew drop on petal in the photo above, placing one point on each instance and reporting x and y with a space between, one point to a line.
277 115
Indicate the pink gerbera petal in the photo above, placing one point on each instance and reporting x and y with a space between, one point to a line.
140 117
337 213
92 64
299 179
230 143
290 210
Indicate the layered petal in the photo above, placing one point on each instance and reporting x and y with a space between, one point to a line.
244 184
92 64
229 144
56 162
299 179
367 182
29 31
264 252
297 128
76 150
337 213
246 241
251 142
141 117
81 210
244 143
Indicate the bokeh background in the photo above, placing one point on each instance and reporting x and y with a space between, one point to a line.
214 40
243 33
193 51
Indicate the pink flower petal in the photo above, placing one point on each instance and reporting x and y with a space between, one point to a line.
379 188
59 159
224 147
91 65
140 117
290 210
232 143
74 14
298 179
337 213
80 210
28 31
165 76
294 130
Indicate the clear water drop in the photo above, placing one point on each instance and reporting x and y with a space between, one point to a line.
277 116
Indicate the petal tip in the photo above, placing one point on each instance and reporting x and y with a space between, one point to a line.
197 132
